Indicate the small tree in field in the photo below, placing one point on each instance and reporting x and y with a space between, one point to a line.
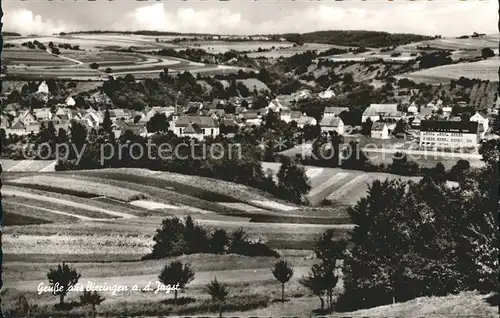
218 292
91 298
176 274
315 282
282 271
64 277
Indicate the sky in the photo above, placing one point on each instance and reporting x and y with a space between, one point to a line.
438 17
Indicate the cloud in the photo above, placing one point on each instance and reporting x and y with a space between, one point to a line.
25 22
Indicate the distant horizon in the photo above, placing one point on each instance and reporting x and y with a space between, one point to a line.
252 17
236 35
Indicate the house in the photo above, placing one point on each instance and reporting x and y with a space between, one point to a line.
43 113
70 102
120 127
327 94
416 122
380 131
27 117
286 115
17 128
204 125
446 110
332 124
302 94
385 111
65 113
275 105
33 128
334 111
216 113
100 98
449 134
251 117
43 88
285 100
4 122
168 110
118 113
426 111
481 119
305 120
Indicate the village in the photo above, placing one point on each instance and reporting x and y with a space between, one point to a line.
427 126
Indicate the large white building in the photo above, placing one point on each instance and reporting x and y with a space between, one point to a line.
449 134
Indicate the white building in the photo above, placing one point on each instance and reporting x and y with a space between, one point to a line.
327 94
194 126
413 109
385 111
43 88
332 124
380 131
334 111
70 101
449 134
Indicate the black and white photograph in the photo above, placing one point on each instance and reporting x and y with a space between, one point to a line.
249 158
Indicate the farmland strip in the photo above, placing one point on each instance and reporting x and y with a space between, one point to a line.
7 191
334 179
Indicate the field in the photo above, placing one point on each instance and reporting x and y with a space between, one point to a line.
29 57
103 222
339 186
100 49
476 43
291 50
215 47
484 70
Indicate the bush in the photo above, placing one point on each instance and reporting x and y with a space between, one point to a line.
176 238
487 52
94 66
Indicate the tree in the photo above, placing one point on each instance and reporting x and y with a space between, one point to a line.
366 127
108 70
218 292
328 250
282 271
78 134
158 123
63 277
91 298
176 274
315 282
293 183
219 241
169 239
459 170
487 52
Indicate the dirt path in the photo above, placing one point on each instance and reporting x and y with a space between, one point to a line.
12 192
65 57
